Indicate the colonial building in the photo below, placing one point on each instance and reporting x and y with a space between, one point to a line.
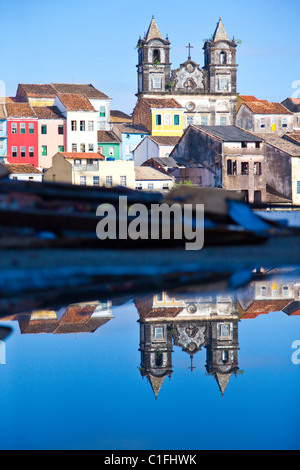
130 135
154 147
109 144
81 122
209 322
293 105
90 169
208 94
3 135
24 172
223 157
149 179
263 116
52 134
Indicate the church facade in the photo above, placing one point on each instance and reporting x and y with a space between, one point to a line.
207 94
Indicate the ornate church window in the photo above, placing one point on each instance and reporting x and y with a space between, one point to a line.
156 56
156 83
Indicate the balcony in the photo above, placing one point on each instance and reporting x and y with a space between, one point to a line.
86 167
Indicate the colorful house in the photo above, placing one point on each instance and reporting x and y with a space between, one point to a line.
130 136
3 135
160 116
22 134
81 122
52 134
109 144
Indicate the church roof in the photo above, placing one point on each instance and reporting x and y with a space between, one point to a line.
153 31
220 32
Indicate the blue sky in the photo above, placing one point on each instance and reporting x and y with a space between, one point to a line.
94 42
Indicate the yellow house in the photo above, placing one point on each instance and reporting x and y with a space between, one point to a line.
161 116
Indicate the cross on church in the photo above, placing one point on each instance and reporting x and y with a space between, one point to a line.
189 47
192 367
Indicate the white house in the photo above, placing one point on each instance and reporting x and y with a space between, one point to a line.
24 172
154 147
81 122
150 179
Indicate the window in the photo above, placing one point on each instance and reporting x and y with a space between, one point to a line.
159 297
156 83
150 186
74 125
14 128
245 168
74 147
138 186
31 152
285 290
82 147
167 119
108 181
91 147
204 120
96 181
23 152
44 150
263 291
100 148
257 145
14 152
60 148
257 197
262 122
189 120
158 332
82 180
222 58
284 122
123 180
44 129
90 125
102 111
127 150
257 168
158 119
1 126
176 119
156 55
223 120
229 167
22 127
60 129
224 330
223 83
82 125
31 128
111 151
298 187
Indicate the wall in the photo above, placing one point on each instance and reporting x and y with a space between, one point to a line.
145 150
22 140
27 177
279 170
295 179
165 129
3 138
116 169
52 140
60 172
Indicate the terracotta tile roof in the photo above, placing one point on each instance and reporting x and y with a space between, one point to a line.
169 312
35 90
146 173
265 306
165 140
2 112
48 112
132 129
19 110
265 107
82 155
162 102
12 99
251 98
18 168
79 89
119 116
107 137
75 102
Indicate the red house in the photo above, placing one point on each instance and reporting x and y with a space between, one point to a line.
22 133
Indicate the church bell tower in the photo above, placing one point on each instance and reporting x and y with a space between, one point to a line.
154 68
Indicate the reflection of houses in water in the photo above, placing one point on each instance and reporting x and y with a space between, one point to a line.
76 318
210 322
265 296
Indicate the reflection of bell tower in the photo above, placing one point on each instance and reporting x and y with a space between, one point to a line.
156 353
222 351
153 62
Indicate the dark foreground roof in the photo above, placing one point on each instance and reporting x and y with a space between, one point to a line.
230 133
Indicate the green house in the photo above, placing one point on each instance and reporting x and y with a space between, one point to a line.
109 144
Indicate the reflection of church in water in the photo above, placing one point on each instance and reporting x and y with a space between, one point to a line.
191 324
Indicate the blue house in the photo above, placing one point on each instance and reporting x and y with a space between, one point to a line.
3 135
130 136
